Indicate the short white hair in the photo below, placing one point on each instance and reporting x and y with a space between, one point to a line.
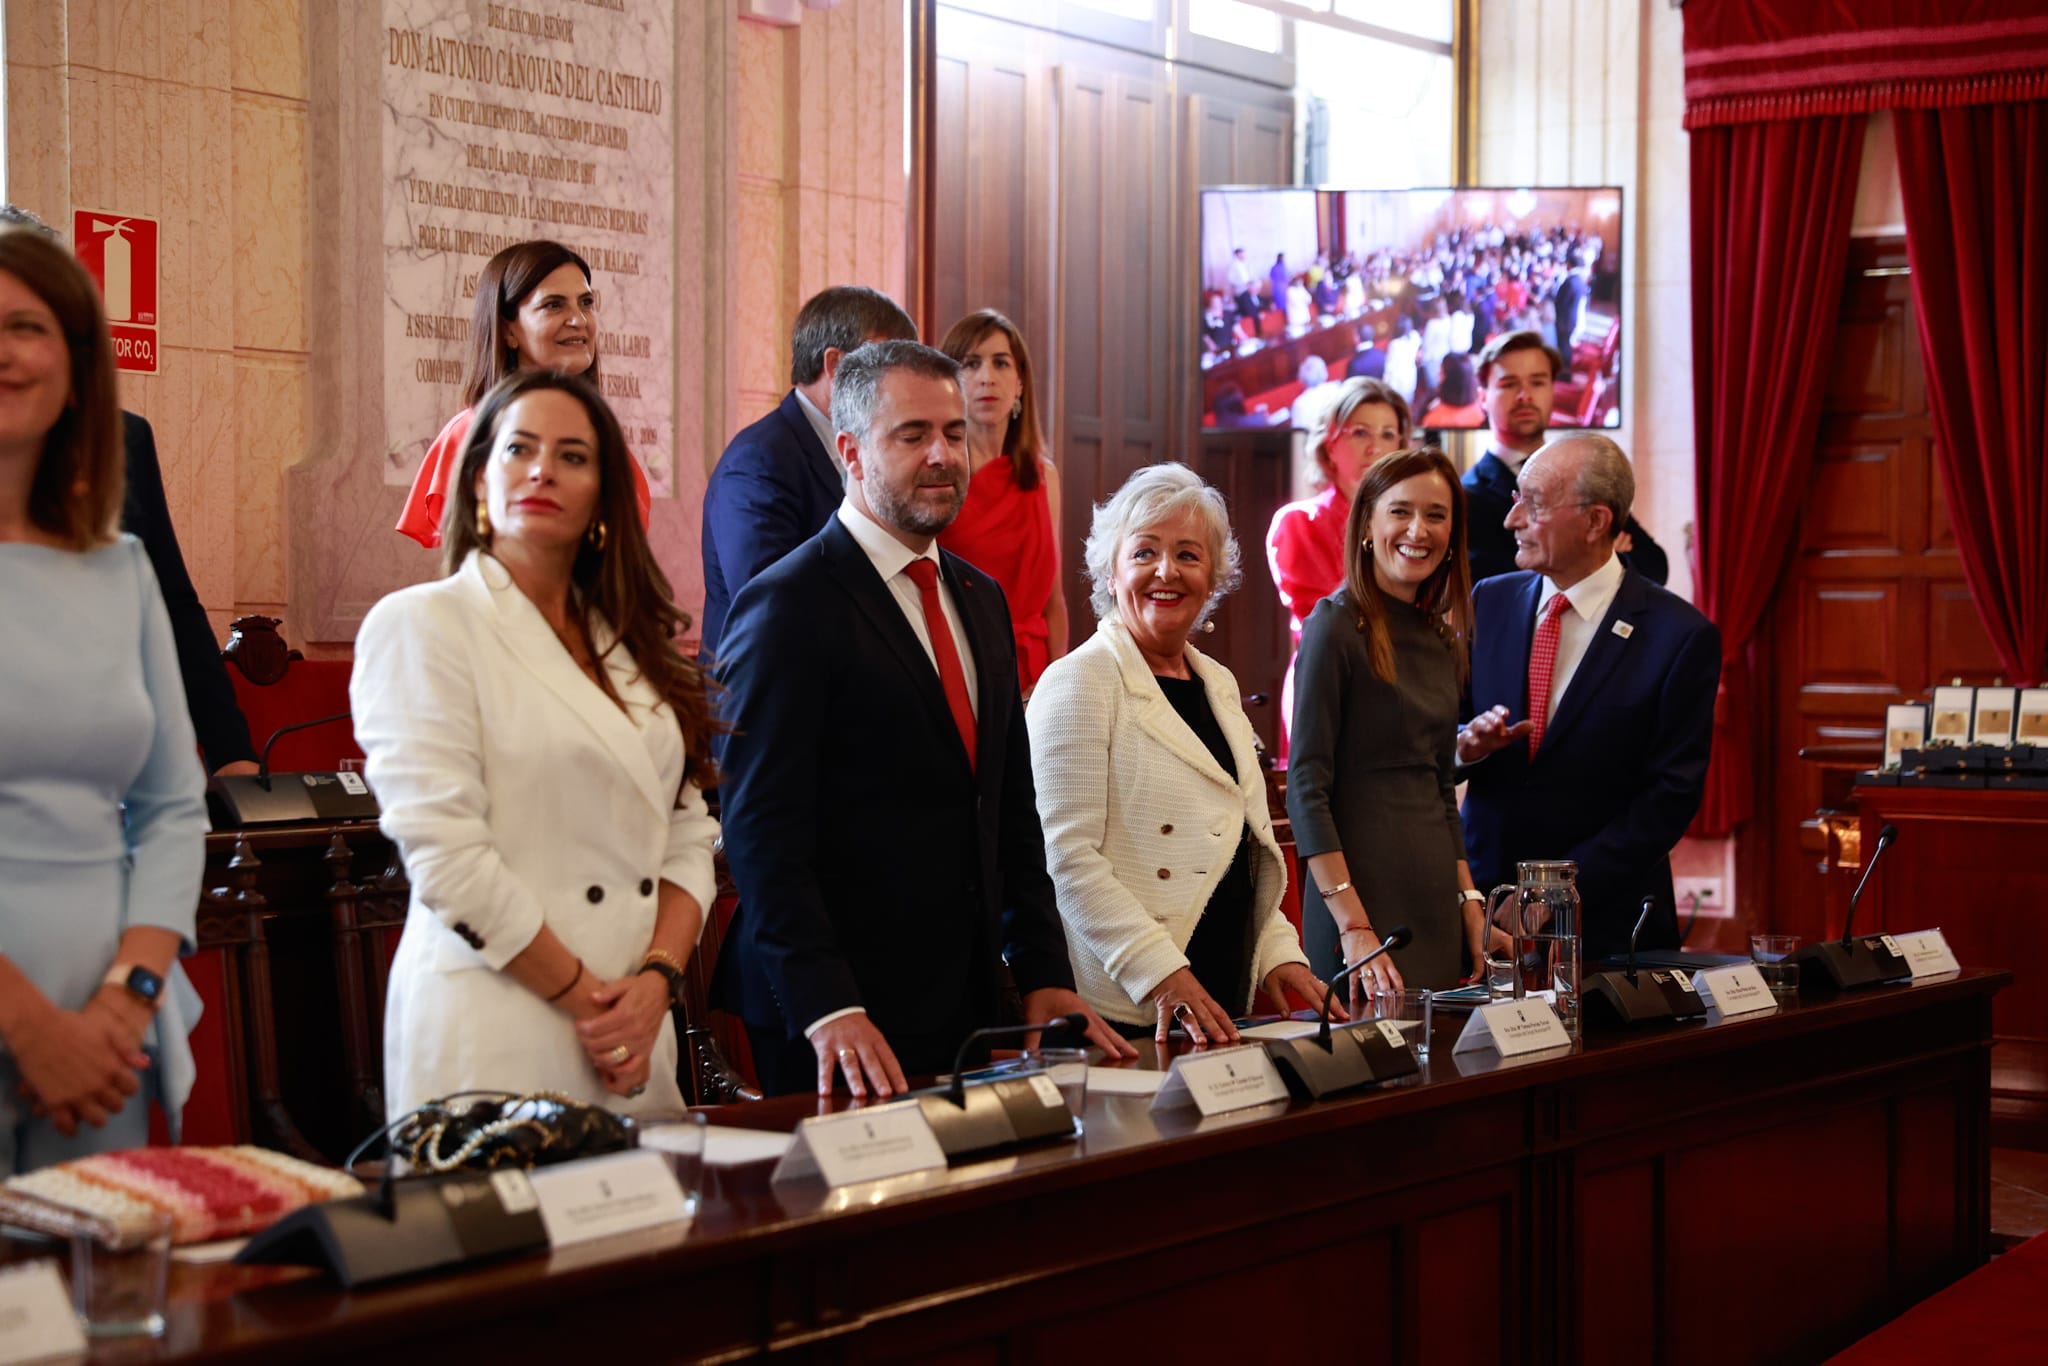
1153 496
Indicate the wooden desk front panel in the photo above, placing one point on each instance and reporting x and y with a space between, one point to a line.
1975 863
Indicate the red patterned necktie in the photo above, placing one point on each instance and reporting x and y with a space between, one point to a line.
1542 663
952 677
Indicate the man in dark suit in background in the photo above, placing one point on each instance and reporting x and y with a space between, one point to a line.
1594 690
879 814
1517 378
777 483
209 697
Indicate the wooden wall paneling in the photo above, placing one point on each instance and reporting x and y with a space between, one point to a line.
1081 270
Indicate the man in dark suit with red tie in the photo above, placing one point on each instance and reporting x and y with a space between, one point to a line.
1594 696
879 815
777 481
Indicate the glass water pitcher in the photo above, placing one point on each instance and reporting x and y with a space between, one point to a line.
1540 913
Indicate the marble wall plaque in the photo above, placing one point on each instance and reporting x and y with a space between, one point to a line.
526 119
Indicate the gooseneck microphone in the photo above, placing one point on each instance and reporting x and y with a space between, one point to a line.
1885 836
263 760
1073 1025
1396 938
1635 934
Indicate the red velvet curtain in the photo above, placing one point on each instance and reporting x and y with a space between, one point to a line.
1976 194
1771 204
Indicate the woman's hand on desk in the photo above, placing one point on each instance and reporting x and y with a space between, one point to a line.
1180 1000
1295 979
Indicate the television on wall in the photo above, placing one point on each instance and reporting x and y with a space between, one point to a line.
1302 288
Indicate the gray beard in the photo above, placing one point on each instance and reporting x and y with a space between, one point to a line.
906 515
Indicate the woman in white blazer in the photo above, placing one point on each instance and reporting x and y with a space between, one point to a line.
538 747
1157 832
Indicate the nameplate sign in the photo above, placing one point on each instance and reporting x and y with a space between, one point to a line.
602 1196
862 1145
1927 953
1221 1080
35 1315
1512 1028
1738 990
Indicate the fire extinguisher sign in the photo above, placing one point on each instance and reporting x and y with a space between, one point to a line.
120 250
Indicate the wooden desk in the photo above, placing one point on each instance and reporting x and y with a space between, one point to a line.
1971 861
1632 1201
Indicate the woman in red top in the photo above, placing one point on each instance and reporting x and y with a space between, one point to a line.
535 310
1009 526
1305 546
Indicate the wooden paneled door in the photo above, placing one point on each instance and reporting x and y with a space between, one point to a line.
1872 608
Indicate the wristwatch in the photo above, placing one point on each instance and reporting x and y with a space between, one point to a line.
670 973
139 982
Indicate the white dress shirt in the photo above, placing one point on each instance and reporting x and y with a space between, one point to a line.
890 558
821 423
1590 598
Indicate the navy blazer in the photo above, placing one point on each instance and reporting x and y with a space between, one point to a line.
874 866
1490 492
1623 763
774 487
209 696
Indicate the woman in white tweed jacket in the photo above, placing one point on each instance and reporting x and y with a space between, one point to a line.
1157 832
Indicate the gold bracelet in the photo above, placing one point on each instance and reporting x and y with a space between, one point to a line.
653 956
1340 888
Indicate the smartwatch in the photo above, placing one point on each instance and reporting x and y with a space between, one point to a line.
139 982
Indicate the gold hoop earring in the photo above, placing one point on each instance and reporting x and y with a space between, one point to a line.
483 522
597 534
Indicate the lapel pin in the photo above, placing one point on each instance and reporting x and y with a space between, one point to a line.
1623 629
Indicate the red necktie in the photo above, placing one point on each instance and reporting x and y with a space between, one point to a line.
1542 663
952 677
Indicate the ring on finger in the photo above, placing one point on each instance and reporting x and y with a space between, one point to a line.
619 1054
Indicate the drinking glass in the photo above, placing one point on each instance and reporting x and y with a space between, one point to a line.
1772 954
1068 1068
1413 1010
118 1290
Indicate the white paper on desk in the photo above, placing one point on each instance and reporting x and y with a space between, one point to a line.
203 1254
1283 1029
1927 953
35 1315
1123 1081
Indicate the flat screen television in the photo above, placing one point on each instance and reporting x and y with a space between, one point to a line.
1302 288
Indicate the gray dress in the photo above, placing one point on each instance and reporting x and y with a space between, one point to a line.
1370 773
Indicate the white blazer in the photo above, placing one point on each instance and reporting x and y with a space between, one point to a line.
1141 822
520 795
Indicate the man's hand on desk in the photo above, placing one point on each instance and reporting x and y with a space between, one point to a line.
1049 1003
852 1045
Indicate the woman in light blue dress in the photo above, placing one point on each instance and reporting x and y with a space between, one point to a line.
102 817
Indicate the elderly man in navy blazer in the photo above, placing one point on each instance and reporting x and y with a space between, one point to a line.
1595 697
777 481
879 816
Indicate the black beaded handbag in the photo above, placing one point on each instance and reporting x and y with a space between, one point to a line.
485 1130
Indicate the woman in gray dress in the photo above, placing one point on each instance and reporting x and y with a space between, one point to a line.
1370 776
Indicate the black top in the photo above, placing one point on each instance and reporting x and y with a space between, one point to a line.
1220 950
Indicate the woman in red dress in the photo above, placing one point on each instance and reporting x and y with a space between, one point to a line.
535 310
1009 526
1305 545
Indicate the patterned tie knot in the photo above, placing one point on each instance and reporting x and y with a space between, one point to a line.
1558 604
923 573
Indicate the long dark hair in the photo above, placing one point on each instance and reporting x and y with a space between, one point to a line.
618 581
1023 441
1445 597
80 478
501 287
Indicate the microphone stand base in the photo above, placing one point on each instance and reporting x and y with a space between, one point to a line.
1358 1056
1865 962
1004 1112
435 1221
1655 994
